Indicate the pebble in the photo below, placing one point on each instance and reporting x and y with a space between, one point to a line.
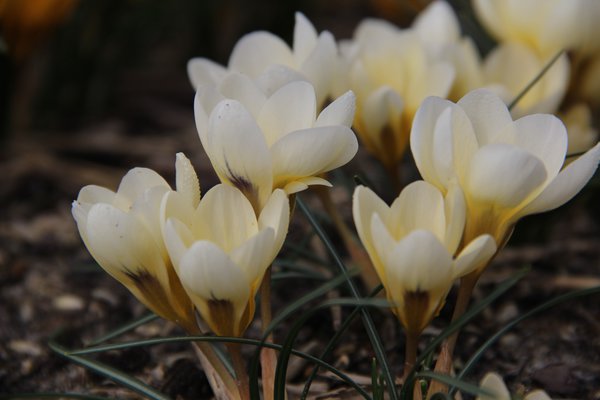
68 302
25 347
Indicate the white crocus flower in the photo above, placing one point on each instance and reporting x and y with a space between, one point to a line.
546 26
259 143
507 169
413 244
221 251
391 73
122 231
494 384
510 67
267 59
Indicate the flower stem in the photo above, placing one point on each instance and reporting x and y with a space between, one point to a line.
444 362
268 357
412 343
242 380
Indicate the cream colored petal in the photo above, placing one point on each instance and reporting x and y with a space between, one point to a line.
436 81
95 194
202 71
305 38
504 175
382 246
567 184
276 215
237 149
137 180
489 14
373 31
228 215
422 137
207 273
290 108
206 99
254 52
175 205
339 112
537 395
186 180
365 203
178 238
122 245
488 114
382 109
493 383
277 76
146 209
312 151
419 263
455 210
545 137
301 184
319 67
475 255
80 213
255 255
437 24
420 205
240 87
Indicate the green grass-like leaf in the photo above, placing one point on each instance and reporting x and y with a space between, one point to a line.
124 329
456 382
109 372
366 316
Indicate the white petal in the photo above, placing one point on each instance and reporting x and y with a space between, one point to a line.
420 205
206 99
276 215
207 272
567 184
339 112
537 395
504 175
228 215
202 71
319 67
365 203
291 108
238 150
545 137
493 383
95 194
437 24
186 180
254 52
240 87
255 255
488 114
178 238
277 76
456 212
382 247
419 262
303 184
382 108
305 38
436 81
175 205
475 255
312 151
137 180
422 137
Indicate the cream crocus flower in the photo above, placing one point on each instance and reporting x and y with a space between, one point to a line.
413 244
494 384
507 169
391 73
259 143
272 63
122 231
221 251
546 26
439 29
511 66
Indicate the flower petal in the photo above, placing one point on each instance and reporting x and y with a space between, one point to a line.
202 71
319 66
311 152
455 209
566 184
492 382
504 175
178 238
305 38
475 255
290 108
240 87
137 180
339 112
276 215
488 115
254 52
237 149
186 180
275 77
255 255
